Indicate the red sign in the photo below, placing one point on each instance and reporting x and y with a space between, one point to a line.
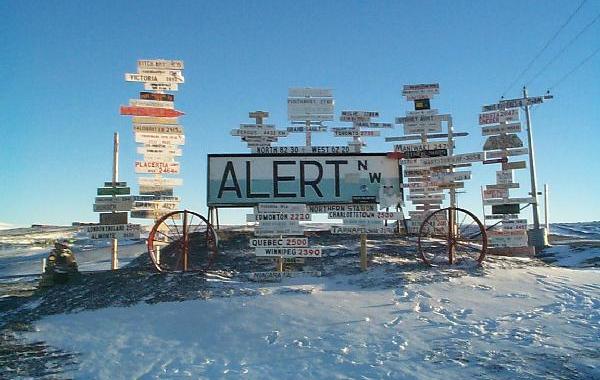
149 111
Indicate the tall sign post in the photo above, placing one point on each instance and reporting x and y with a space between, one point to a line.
310 106
113 202
505 138
429 163
156 128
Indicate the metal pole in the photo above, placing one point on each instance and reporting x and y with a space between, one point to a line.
450 154
546 219
114 258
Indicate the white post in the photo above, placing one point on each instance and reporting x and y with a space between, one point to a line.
114 262
158 255
546 219
44 265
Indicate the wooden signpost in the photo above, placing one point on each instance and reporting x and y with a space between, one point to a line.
501 124
156 127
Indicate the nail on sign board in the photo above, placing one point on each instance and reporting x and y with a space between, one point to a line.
249 179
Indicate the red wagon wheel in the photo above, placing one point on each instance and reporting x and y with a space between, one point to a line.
182 241
452 235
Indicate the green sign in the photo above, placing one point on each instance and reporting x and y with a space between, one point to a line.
506 209
114 191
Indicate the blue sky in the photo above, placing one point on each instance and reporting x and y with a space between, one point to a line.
63 63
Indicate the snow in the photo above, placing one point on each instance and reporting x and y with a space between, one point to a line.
515 318
519 323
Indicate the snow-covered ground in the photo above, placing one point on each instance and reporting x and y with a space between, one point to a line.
512 319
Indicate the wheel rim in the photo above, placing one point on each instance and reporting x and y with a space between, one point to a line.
439 243
182 241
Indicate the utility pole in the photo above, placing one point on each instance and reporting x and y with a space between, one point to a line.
537 236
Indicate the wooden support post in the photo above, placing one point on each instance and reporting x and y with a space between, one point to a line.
280 264
114 259
363 252
44 265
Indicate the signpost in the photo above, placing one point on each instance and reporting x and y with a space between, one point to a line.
308 105
156 126
503 142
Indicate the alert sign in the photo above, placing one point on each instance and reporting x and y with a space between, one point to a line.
249 179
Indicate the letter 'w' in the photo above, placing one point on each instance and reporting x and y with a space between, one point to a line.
375 177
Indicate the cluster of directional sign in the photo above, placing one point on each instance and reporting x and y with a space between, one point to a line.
113 202
157 129
429 165
280 236
500 123
360 120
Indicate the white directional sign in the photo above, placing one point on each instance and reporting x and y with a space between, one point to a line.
162 64
420 147
161 86
324 209
506 153
278 242
153 181
158 128
364 124
116 231
442 161
155 78
382 215
260 217
282 207
352 132
309 92
289 252
152 167
311 128
151 103
420 91
426 197
499 116
154 120
159 149
362 230
491 202
258 132
503 141
159 138
449 177
501 128
305 108
513 103
515 224
504 176
279 230
495 193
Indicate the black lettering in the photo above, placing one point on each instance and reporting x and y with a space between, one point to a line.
375 177
362 165
236 185
249 185
277 179
336 167
313 183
